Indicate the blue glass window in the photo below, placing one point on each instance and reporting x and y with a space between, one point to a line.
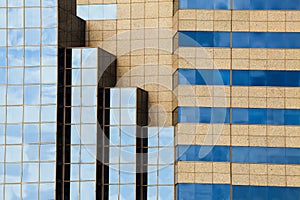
15 18
3 16
32 17
32 36
203 39
15 37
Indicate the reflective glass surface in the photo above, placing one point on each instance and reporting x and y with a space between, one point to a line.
241 4
240 154
239 39
25 125
270 116
97 12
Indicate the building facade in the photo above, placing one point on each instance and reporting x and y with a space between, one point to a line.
158 100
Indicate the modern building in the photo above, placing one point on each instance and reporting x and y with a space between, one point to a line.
156 100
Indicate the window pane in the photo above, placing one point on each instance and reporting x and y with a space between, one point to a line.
13 153
31 133
32 17
13 173
15 17
13 133
15 37
30 172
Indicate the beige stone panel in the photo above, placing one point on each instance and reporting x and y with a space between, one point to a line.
257 102
239 91
275 130
204 64
201 167
203 91
204 101
82 2
258 26
239 130
222 53
109 24
276 170
220 91
222 15
205 25
185 177
122 70
188 128
258 53
186 101
185 139
276 54
165 9
293 142
241 102
151 23
274 180
292 26
293 181
240 15
189 25
292 131
292 92
257 130
137 10
238 179
205 15
240 141
258 169
293 170
138 24
273 64
203 177
151 10
240 26
187 14
123 24
258 15
275 102
258 64
136 81
166 22
123 1
124 82
221 140
240 64
240 53
292 64
94 25
220 102
275 141
259 180
292 53
276 26
185 167
292 15
222 63
238 168
204 140
221 178
220 167
257 141
277 16
222 25
255 91
275 92
292 103
123 11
